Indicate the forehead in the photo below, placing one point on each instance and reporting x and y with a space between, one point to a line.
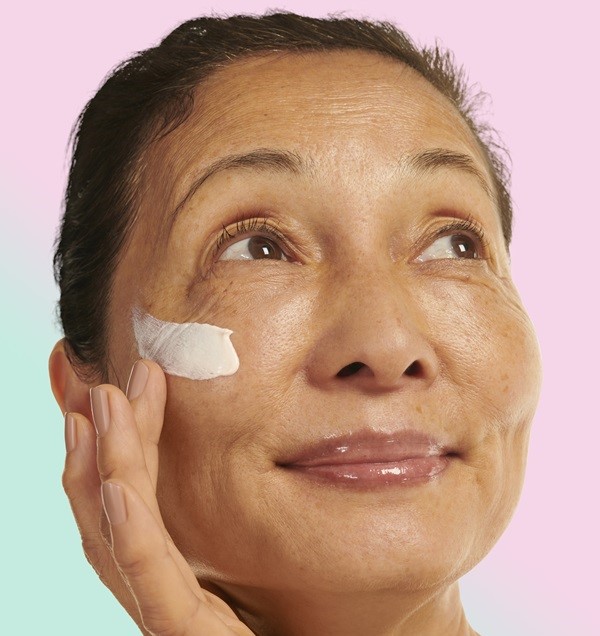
332 109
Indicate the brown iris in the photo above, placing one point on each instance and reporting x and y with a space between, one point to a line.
463 246
261 247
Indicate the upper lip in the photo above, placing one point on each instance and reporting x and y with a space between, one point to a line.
366 447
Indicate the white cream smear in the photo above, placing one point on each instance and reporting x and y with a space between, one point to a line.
188 350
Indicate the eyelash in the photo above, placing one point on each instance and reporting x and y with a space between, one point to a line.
469 226
243 226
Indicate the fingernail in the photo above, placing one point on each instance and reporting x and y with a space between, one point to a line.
70 432
100 410
137 380
113 500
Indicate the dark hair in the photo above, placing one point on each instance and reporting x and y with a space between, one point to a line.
150 95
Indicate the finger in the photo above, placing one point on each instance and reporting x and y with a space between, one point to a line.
144 555
82 486
147 393
121 453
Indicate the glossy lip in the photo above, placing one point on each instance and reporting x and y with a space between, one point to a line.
367 459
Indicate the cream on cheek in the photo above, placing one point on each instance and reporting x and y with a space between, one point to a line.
188 350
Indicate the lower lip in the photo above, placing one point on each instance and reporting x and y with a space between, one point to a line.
405 472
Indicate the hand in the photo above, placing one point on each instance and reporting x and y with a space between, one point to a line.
137 560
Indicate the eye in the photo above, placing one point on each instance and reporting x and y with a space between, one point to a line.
253 248
452 246
462 239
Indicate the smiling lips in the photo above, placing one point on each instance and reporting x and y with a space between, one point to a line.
367 460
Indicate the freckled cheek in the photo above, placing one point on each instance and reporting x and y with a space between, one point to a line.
514 368
488 346
270 331
269 324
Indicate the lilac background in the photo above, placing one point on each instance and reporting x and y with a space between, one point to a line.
540 65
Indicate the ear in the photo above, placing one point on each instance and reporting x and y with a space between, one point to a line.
71 393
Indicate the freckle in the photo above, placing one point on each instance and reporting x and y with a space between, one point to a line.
504 376
418 409
505 389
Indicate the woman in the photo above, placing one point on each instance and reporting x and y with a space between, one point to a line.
299 228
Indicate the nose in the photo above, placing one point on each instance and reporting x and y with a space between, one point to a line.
373 336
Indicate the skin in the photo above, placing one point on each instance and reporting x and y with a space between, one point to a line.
445 345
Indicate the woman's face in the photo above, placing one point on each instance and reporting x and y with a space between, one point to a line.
369 192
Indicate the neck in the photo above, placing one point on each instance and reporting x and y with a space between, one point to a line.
377 614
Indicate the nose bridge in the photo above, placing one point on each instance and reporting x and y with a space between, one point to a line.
377 295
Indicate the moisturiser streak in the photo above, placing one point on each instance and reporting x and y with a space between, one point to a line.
188 350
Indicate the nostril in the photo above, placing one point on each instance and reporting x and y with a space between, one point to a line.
414 369
350 369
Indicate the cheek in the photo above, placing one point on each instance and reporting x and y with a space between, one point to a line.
488 348
233 415
225 427
491 377
269 316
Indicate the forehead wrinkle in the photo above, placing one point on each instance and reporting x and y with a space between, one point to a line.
227 100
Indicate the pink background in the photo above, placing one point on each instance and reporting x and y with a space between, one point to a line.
540 65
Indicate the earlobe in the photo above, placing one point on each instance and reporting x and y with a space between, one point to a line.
70 392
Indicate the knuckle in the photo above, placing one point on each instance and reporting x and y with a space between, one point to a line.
133 566
75 497
108 470
189 625
138 563
159 625
68 483
119 455
95 552
99 556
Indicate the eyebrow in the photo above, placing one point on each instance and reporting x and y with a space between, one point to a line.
272 160
264 159
435 159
